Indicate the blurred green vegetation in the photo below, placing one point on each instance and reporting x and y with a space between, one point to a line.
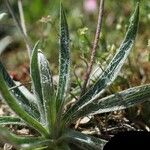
42 20
115 22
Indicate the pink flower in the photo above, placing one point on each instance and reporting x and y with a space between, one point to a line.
90 5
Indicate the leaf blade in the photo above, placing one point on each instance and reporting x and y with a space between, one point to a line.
36 80
14 105
119 101
2 16
64 60
7 120
28 105
7 136
47 90
83 141
39 144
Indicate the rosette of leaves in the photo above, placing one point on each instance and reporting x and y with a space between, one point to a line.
45 112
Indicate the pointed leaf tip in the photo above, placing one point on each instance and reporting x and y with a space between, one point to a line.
64 60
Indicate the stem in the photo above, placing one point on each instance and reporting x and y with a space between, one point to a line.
26 39
21 84
22 20
95 44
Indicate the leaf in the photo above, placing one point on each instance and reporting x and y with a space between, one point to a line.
26 93
28 105
2 16
111 71
36 80
7 120
83 141
7 136
64 60
38 145
43 145
17 108
118 101
47 90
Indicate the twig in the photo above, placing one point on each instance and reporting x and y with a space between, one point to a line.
95 44
84 60
19 26
21 84
77 123
73 96
22 16
77 79
22 20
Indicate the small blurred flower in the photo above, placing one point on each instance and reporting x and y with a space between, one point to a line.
148 43
46 19
148 16
83 31
118 26
90 5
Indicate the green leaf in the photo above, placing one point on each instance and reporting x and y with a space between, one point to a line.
47 90
38 145
2 16
118 101
7 120
28 105
26 92
36 80
7 136
111 71
84 141
17 108
64 60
